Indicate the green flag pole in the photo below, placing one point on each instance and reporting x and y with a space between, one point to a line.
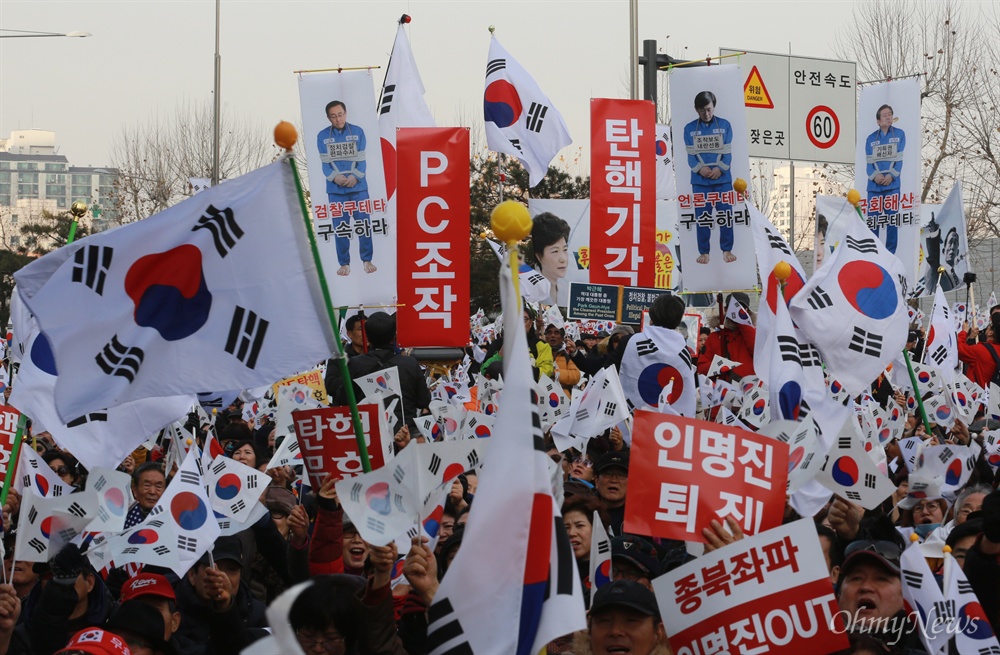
916 392
345 377
15 452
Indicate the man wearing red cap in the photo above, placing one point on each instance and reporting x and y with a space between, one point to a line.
154 590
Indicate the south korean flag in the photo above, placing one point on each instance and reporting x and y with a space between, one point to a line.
772 251
941 350
653 359
852 308
520 120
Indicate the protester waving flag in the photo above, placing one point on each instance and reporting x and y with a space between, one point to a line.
178 530
852 309
530 593
520 119
214 293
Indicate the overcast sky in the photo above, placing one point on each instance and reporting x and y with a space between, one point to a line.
147 56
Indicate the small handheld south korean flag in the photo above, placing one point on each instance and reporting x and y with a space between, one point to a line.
849 472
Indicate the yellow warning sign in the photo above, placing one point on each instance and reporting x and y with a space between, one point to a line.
755 92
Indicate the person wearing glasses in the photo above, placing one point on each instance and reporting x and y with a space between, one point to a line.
64 465
969 500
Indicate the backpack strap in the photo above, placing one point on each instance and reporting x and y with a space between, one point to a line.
993 353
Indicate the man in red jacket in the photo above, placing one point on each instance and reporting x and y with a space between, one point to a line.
981 358
733 341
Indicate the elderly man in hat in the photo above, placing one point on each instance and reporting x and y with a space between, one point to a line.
624 618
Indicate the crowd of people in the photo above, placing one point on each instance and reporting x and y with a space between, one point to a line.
304 571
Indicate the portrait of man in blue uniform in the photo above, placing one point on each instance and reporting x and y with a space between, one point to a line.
884 156
342 152
709 143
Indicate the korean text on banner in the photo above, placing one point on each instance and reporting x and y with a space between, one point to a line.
433 249
686 473
326 439
765 594
8 428
311 379
343 149
623 192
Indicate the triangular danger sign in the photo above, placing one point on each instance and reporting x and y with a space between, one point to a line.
755 92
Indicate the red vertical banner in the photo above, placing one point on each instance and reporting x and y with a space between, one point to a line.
433 249
8 429
623 192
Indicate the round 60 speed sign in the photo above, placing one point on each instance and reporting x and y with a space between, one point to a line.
822 127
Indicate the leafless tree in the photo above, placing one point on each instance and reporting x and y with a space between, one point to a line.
955 48
156 158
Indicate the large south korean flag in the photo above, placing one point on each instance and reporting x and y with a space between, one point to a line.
852 309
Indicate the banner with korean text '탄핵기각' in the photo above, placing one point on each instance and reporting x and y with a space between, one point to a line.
432 210
623 192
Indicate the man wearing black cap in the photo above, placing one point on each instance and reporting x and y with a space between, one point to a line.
624 618
634 558
734 341
215 603
611 482
870 595
381 331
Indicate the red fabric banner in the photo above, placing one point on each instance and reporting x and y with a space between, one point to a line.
623 192
433 246
684 473
8 428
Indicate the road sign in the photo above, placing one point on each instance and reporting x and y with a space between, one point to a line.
823 127
813 112
755 91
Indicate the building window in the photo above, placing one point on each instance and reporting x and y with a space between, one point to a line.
55 167
13 219
15 241
81 179
81 191
26 166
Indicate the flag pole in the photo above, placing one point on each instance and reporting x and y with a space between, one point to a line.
285 136
511 222
916 392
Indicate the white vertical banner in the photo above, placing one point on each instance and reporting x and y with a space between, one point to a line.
887 167
710 146
945 244
357 243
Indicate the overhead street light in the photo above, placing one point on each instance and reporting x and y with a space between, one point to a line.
29 34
